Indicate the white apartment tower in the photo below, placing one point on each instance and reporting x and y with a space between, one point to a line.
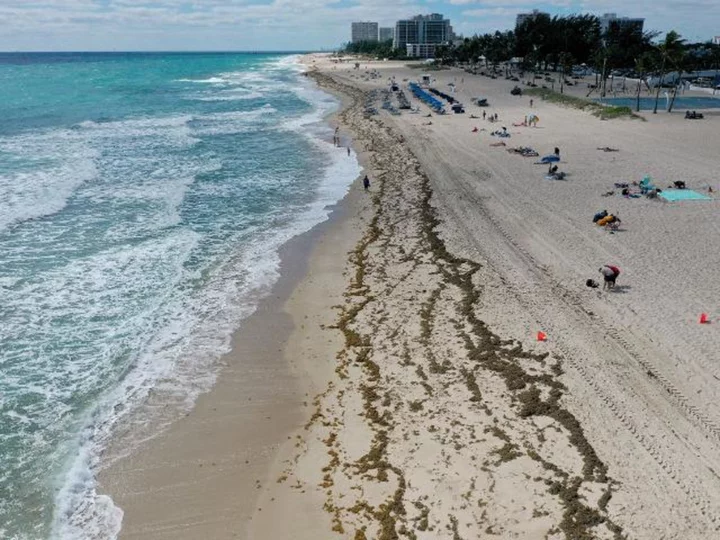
364 31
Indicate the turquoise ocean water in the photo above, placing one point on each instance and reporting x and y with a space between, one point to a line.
143 199
682 103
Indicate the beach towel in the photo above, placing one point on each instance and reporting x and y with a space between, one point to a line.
683 195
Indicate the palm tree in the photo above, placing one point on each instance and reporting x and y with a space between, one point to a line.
682 63
669 49
643 64
715 55
566 62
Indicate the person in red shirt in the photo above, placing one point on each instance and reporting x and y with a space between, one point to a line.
610 274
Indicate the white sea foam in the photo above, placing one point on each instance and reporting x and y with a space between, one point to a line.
61 162
58 162
226 123
211 80
174 363
229 96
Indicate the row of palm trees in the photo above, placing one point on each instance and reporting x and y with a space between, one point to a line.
560 42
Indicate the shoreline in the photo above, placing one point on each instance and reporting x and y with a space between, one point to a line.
435 412
261 391
435 426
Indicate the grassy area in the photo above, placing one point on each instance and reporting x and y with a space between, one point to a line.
604 112
427 67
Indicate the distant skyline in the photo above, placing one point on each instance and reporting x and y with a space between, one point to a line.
132 25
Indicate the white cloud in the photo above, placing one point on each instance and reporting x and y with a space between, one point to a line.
290 24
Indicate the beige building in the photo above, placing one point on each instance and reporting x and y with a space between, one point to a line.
364 31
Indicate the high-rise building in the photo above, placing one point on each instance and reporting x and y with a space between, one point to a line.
611 22
522 17
364 31
422 29
386 33
716 40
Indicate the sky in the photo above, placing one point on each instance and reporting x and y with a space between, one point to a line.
267 25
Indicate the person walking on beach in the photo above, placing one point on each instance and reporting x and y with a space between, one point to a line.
366 183
610 274
483 115
348 148
531 103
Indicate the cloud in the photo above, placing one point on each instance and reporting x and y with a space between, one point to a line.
290 24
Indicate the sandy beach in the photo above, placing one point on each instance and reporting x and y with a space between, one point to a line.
394 386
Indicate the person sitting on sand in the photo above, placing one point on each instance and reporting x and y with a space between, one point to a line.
613 224
607 220
610 274
554 174
679 184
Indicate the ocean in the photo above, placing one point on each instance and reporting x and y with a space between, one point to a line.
143 200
